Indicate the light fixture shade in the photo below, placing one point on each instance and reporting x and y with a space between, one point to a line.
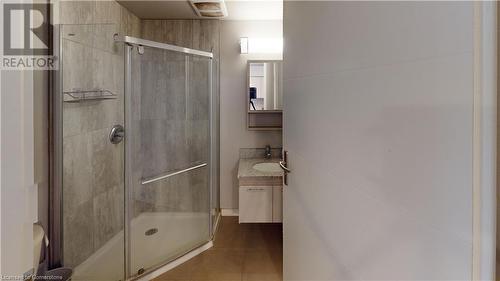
244 45
261 45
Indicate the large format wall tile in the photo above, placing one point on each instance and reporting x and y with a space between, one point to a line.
176 111
130 24
77 61
93 180
77 172
107 12
77 12
151 30
78 231
206 36
108 214
161 104
106 163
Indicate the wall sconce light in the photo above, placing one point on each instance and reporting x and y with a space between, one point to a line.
244 45
261 45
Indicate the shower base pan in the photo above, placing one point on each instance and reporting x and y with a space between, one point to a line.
156 238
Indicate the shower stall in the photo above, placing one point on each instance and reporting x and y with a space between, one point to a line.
134 143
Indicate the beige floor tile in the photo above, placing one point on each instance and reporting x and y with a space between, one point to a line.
241 252
161 278
261 277
262 261
213 276
264 236
219 263
230 234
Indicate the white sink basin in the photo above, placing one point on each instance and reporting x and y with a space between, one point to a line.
267 167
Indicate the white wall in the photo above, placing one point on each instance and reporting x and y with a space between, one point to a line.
233 127
24 164
486 96
18 190
379 124
41 143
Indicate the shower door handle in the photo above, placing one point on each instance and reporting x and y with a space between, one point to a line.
117 134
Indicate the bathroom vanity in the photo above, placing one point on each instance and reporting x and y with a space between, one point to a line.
260 190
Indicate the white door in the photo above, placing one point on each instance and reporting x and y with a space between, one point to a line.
378 124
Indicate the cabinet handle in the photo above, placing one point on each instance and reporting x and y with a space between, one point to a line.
255 189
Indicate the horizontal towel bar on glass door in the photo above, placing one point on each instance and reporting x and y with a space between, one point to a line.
150 180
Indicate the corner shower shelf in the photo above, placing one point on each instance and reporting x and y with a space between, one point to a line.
88 95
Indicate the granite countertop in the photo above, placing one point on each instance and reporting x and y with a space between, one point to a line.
245 169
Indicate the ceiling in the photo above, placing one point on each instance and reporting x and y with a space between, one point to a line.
254 10
181 9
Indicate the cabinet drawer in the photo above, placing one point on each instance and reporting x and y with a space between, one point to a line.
256 204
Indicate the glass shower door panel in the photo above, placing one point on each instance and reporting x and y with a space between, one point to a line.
169 153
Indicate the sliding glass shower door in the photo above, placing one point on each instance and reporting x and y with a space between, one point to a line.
168 112
132 153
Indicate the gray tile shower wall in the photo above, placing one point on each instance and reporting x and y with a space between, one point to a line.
93 180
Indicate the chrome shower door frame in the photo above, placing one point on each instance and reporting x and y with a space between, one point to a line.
56 155
128 165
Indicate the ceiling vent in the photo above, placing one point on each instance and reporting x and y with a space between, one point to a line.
209 8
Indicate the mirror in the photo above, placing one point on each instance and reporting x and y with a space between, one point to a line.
265 86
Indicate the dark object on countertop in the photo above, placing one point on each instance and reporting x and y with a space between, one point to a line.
253 95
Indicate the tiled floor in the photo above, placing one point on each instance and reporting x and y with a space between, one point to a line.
497 275
241 252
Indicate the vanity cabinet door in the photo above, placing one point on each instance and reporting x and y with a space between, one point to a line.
256 204
278 203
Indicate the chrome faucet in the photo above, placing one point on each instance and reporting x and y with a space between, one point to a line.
268 152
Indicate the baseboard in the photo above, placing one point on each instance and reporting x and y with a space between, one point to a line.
216 225
229 212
